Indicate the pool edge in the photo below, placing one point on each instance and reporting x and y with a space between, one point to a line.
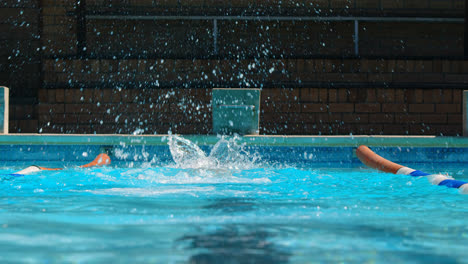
261 140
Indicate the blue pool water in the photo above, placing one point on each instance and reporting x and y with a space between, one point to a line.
231 207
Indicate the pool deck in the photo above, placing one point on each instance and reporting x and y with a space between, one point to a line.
261 140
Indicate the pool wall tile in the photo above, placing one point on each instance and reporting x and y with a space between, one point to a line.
334 151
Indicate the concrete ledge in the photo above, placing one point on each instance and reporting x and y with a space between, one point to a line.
4 109
306 141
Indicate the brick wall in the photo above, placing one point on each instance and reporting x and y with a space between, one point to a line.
20 64
360 96
94 75
377 111
124 111
322 111
271 39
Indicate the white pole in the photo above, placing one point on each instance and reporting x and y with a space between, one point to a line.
465 113
4 107
356 37
215 36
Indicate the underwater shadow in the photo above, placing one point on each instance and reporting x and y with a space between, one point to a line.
232 205
236 244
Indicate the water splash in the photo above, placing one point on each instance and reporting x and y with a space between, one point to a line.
225 154
230 154
187 154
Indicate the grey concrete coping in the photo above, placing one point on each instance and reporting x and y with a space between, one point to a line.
259 140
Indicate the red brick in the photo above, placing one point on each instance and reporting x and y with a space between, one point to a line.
306 117
354 77
335 118
429 96
376 66
394 108
448 130
421 129
73 108
364 66
457 96
115 96
437 66
51 96
367 108
290 108
457 67
410 66
309 66
401 66
385 95
446 66
27 126
423 66
414 95
371 95
323 95
17 111
63 118
323 117
268 117
332 95
371 129
407 77
78 95
418 77
448 108
398 129
44 118
51 108
315 108
456 78
88 95
421 108
43 96
60 95
355 118
407 118
455 119
341 108
380 77
381 118
342 96
434 118
69 95
271 93
309 94
356 95
447 96
400 96
106 96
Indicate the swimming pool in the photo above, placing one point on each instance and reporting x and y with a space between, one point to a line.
240 204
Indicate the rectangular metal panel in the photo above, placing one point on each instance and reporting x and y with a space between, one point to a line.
236 111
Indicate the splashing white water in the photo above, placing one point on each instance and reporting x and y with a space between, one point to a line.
187 154
229 154
225 154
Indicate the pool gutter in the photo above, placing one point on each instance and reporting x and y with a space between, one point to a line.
154 140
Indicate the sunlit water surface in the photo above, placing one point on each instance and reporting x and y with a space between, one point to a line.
230 212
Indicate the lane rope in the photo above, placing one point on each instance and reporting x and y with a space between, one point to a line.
372 160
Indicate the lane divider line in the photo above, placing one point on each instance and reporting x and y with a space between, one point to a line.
372 160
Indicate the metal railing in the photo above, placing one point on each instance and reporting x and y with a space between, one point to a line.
215 19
